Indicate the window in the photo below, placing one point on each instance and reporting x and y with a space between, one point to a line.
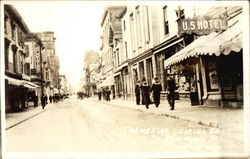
5 23
126 49
166 25
132 32
180 13
27 49
146 25
124 25
13 29
138 27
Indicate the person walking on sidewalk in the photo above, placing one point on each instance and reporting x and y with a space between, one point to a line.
35 100
99 93
171 86
138 92
50 99
156 88
145 90
43 100
108 94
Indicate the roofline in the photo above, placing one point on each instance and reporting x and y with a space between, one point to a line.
18 17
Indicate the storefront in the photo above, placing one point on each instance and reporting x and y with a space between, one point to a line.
109 83
213 66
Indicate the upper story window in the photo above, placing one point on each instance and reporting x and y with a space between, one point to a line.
13 31
124 25
180 13
126 49
27 49
5 23
138 26
165 17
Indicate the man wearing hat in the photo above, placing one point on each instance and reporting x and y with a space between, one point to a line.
171 86
145 90
156 88
138 92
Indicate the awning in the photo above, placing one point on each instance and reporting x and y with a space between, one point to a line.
212 44
14 81
117 73
169 45
31 84
107 82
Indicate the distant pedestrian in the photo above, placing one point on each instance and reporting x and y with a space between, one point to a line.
145 90
43 100
156 88
138 92
46 99
50 99
171 86
99 93
35 101
108 92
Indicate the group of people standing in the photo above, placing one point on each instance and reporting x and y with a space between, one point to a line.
143 91
52 99
105 93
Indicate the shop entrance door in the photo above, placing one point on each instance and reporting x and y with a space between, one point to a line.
195 86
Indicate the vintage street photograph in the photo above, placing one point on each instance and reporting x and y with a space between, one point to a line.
124 79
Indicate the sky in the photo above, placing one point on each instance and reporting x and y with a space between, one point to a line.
76 27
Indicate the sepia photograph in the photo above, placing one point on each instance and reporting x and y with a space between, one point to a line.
124 79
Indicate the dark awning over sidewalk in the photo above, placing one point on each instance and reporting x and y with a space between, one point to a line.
212 44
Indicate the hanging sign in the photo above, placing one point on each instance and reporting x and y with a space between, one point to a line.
202 26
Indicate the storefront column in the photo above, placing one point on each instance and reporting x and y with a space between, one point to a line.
162 76
198 83
154 65
145 69
203 73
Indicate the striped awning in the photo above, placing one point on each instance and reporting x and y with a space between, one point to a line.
109 81
212 44
14 81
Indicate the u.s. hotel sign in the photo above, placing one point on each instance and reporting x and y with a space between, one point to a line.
202 26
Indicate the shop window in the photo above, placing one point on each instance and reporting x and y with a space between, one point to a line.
231 68
212 75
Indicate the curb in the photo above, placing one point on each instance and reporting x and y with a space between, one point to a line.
23 120
210 124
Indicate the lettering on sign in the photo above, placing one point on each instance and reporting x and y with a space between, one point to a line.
202 26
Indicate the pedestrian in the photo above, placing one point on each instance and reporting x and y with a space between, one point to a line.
104 94
171 86
138 92
156 89
35 101
145 90
108 94
46 99
43 100
50 99
99 93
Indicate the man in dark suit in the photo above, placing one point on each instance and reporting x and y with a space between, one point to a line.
138 92
171 92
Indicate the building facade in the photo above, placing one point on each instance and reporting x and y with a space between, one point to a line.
33 47
91 61
50 63
112 49
17 72
154 36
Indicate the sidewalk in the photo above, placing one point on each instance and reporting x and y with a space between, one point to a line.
231 119
13 119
